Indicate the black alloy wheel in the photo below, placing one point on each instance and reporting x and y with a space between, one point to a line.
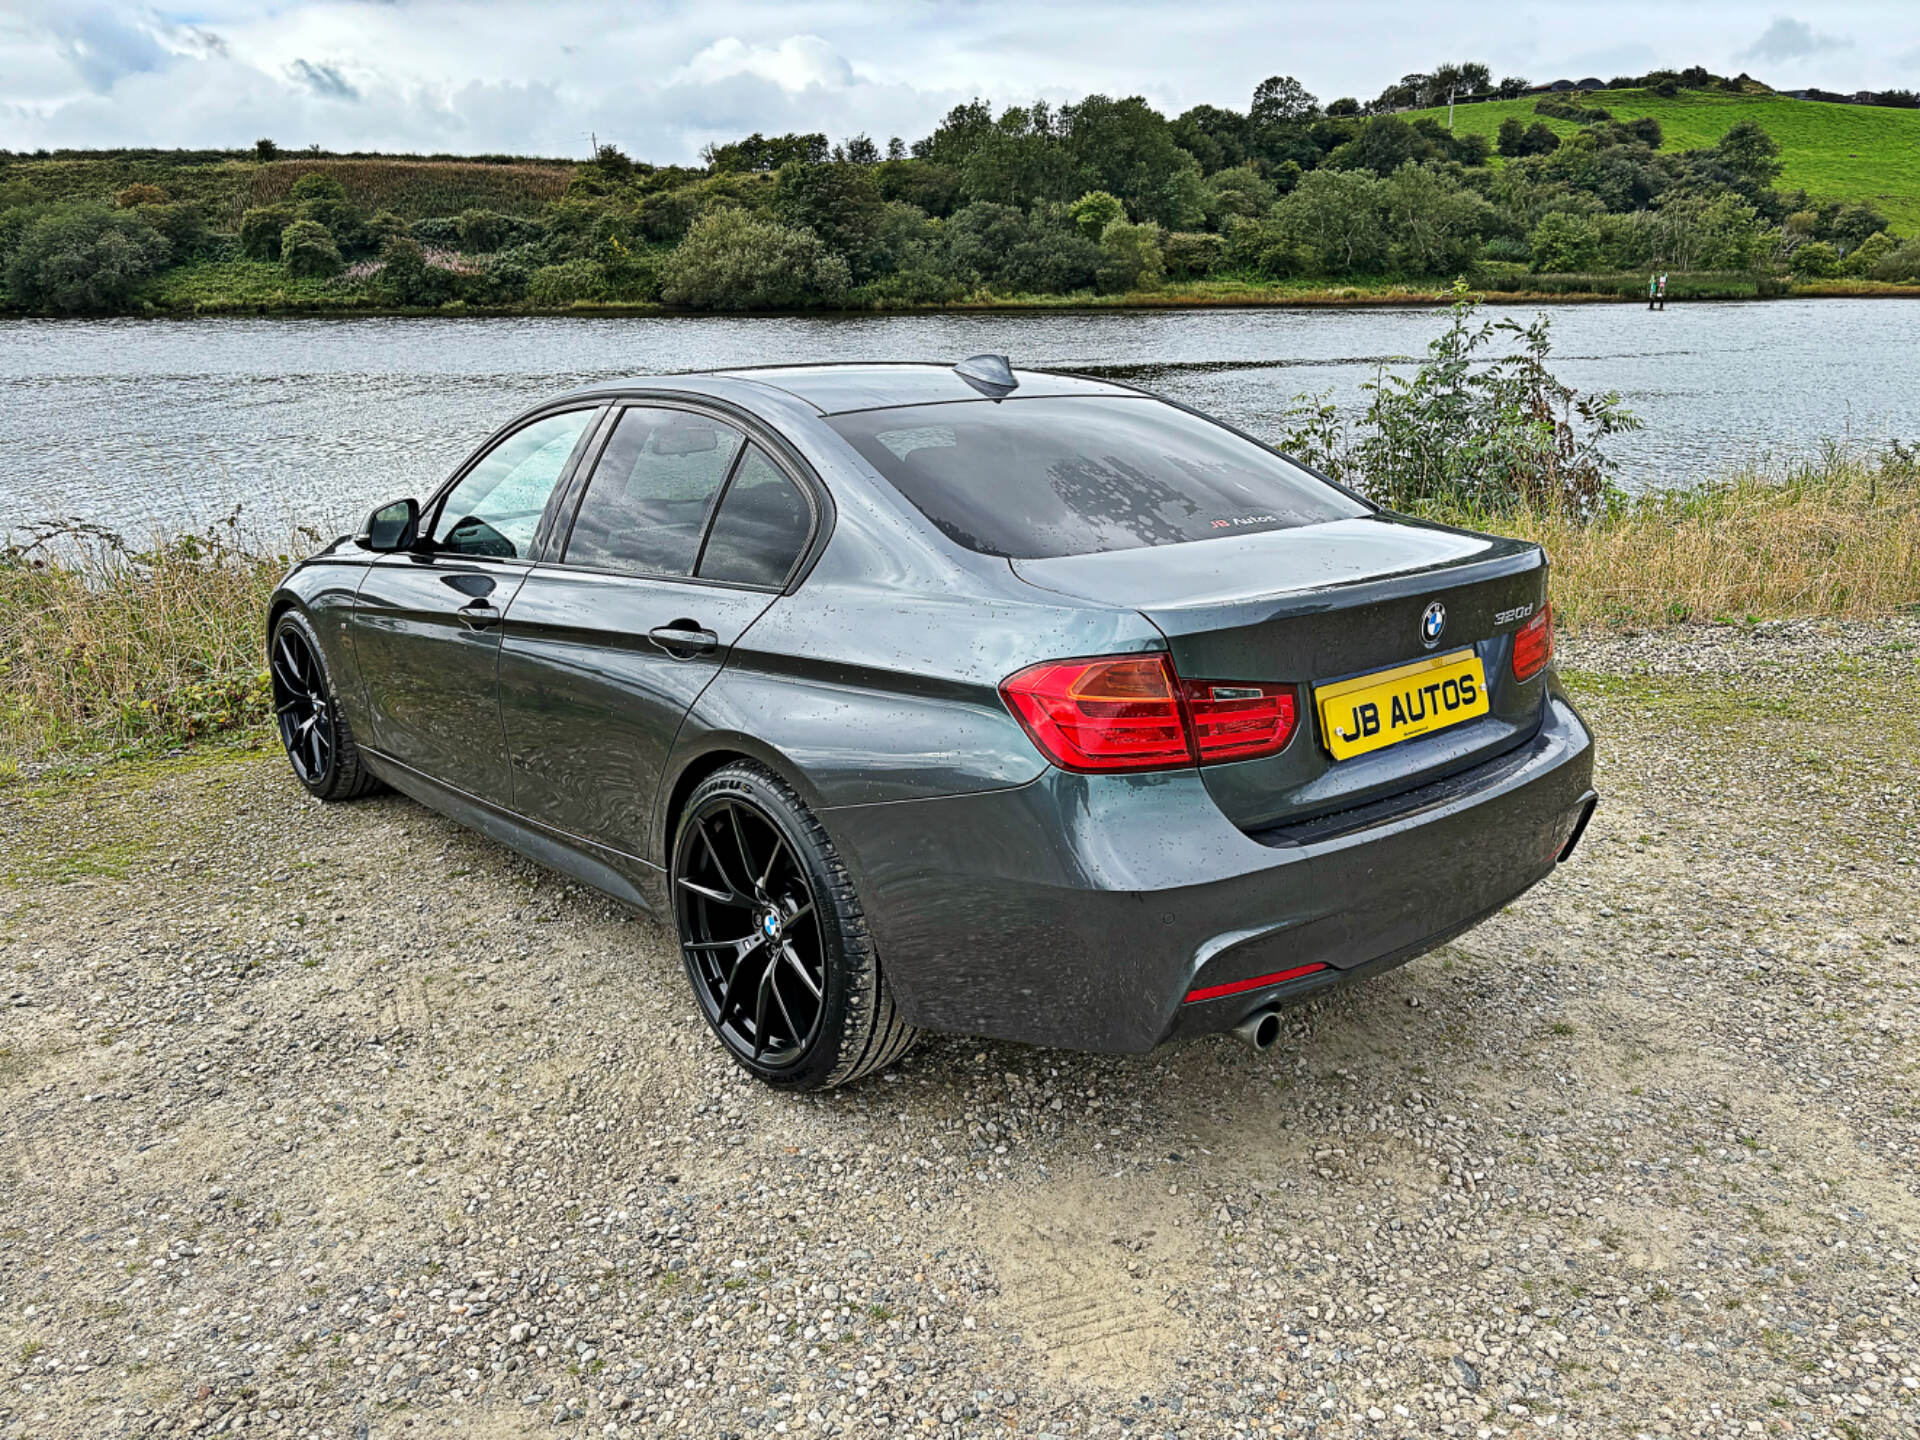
773 938
752 933
301 706
319 743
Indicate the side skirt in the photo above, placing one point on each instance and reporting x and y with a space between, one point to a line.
626 878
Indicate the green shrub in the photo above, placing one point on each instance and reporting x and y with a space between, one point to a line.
1094 211
140 193
1489 434
1561 107
485 231
260 231
1130 258
83 259
1903 264
1815 261
308 251
318 185
441 231
1563 242
1191 254
383 227
731 260
915 283
566 283
407 279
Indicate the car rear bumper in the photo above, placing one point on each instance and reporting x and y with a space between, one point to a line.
1086 911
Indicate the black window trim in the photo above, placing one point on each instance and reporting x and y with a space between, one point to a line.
753 432
430 512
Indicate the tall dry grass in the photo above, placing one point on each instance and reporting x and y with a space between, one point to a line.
1837 535
104 646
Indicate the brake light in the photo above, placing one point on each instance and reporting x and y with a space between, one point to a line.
1233 721
1533 645
1132 712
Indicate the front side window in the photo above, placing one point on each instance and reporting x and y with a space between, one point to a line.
1032 479
496 507
646 504
762 526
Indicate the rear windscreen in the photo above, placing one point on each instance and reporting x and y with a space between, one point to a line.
1031 479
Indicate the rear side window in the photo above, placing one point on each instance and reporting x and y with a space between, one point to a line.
1030 479
761 529
647 501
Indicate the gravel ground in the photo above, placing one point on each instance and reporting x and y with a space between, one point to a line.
341 1121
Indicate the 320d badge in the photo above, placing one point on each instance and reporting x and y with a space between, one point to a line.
969 699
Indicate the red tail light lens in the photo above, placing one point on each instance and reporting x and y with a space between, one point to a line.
1533 645
1132 712
1233 721
1109 714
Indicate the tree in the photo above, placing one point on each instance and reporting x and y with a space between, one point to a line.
1512 87
308 251
1511 139
1281 100
1015 168
731 260
862 151
761 152
1215 137
955 137
1237 191
1337 217
1751 153
1564 244
1094 211
838 202
140 194
81 259
319 185
896 149
406 278
265 151
1434 224
1814 261
260 230
1126 147
1130 258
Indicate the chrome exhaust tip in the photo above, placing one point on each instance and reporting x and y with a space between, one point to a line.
1260 1029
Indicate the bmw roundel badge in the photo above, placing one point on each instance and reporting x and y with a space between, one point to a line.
1433 624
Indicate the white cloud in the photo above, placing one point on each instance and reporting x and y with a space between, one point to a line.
663 78
1787 39
797 63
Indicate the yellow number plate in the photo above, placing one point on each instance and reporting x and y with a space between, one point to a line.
1370 712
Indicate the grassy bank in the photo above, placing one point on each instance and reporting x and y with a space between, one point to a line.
1861 153
112 648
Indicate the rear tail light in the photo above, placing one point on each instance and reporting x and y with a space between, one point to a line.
1232 721
1132 712
1533 645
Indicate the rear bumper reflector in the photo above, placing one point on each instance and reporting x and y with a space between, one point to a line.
1258 982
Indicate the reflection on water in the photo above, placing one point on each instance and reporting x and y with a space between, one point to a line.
135 423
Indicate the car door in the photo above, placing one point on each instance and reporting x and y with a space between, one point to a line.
686 531
426 623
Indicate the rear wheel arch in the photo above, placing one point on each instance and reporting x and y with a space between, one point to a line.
720 752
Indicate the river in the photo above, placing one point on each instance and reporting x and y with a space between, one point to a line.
159 424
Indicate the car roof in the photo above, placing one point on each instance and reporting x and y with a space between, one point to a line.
837 388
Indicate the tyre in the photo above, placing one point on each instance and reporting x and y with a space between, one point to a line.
306 708
774 940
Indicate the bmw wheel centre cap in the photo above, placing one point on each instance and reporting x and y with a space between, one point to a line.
1433 624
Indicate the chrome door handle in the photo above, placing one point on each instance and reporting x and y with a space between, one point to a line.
478 615
684 638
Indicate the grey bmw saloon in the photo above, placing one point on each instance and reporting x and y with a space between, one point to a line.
965 698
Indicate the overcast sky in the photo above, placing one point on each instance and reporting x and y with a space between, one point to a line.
661 79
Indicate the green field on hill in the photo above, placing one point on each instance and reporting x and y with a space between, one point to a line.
1866 153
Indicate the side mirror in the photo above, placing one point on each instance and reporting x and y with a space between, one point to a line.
394 526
